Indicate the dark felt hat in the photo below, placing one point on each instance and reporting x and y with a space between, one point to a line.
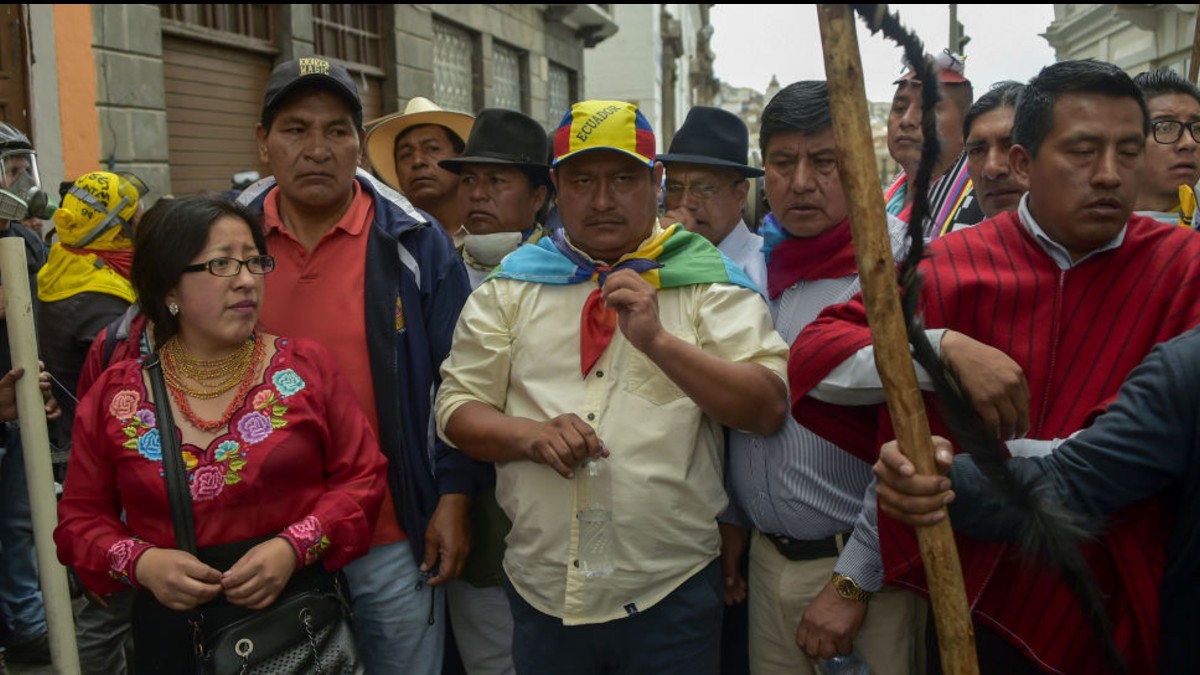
712 137
505 137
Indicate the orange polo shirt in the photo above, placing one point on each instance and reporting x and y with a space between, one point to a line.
319 294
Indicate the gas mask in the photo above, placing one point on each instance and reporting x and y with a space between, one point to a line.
21 194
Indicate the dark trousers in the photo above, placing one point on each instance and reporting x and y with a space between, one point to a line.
679 635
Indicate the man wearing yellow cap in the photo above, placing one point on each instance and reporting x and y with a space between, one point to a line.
622 343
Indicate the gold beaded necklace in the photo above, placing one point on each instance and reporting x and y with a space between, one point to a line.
215 378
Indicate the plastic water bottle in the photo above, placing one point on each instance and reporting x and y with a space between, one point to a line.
593 499
849 664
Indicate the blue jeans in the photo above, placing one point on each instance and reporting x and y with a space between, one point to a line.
19 588
399 621
681 635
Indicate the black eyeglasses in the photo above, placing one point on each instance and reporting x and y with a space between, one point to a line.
1169 131
231 267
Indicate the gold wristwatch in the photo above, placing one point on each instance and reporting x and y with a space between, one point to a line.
849 589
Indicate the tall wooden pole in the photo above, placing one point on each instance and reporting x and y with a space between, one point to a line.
877 272
1194 68
35 443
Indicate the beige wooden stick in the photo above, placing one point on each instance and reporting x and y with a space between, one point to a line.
1194 67
876 267
35 443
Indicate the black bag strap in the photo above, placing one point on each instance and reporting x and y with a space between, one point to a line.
179 493
110 340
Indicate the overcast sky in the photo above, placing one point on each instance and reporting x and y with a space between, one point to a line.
752 42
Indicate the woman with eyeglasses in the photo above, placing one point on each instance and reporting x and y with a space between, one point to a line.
285 474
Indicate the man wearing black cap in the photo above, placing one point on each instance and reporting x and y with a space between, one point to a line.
504 183
706 185
367 275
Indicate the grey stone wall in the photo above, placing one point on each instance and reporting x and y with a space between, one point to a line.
520 26
127 43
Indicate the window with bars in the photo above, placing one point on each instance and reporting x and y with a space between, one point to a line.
252 21
352 34
560 94
454 63
508 81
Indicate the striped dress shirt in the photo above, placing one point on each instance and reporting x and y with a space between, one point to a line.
795 483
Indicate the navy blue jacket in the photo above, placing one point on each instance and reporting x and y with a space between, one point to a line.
415 288
1146 443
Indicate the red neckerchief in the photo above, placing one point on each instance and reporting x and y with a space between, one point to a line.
828 255
121 261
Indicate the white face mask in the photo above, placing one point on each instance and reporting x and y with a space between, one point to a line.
489 249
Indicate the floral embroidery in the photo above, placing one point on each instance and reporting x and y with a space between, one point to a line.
140 432
124 403
254 427
207 482
225 463
149 445
287 382
308 538
400 325
121 556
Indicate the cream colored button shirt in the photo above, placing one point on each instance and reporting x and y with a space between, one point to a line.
516 348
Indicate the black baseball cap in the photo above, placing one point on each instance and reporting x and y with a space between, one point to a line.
310 72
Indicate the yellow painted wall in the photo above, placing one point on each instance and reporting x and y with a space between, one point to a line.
76 89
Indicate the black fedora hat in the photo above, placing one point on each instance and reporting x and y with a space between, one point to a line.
505 137
713 137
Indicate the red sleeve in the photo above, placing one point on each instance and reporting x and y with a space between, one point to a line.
91 537
837 334
339 527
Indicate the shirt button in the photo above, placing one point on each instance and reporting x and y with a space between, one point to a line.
599 373
591 416
577 563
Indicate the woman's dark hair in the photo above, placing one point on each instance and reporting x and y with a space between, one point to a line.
169 236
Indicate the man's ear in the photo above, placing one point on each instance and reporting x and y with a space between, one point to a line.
742 189
540 193
260 133
1021 163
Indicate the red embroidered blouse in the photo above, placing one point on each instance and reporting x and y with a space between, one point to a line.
298 459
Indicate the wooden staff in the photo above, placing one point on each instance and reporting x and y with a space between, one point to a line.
877 271
1194 68
35 443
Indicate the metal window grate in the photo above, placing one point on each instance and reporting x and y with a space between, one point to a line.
352 34
507 88
560 94
453 67
253 21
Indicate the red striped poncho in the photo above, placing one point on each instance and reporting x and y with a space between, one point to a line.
1076 334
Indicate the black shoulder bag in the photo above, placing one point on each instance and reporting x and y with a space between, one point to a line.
306 631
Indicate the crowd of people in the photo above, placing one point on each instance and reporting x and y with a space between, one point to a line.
387 360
